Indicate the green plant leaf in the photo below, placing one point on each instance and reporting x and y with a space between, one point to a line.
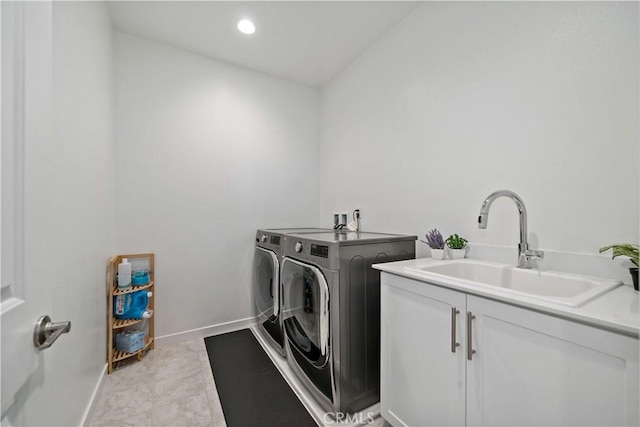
456 242
623 249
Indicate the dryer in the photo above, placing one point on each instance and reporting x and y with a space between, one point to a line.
266 282
331 312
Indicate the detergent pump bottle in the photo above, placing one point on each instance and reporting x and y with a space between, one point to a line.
124 274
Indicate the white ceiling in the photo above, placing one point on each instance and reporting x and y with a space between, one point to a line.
305 41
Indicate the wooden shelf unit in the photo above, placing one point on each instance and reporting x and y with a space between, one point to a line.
121 355
117 325
117 291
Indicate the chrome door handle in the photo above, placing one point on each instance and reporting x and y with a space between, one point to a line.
454 315
47 332
470 350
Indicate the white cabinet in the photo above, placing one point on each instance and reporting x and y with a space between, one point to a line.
416 335
535 369
528 368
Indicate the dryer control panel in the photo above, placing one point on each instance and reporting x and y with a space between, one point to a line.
318 253
320 250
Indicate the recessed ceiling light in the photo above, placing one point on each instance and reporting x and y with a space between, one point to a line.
246 26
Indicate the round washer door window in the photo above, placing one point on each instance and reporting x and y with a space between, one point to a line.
265 283
305 309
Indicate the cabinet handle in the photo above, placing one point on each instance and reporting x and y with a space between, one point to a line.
470 350
454 315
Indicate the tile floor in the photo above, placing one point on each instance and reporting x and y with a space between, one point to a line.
172 386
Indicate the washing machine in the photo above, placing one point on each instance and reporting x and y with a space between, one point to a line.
331 312
266 282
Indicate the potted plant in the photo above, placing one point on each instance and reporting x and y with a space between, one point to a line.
456 245
630 251
436 243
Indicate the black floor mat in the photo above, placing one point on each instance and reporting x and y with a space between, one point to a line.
251 389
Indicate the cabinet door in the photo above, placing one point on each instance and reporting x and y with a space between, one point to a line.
535 369
422 380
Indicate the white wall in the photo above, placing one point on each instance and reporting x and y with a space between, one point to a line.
207 152
461 99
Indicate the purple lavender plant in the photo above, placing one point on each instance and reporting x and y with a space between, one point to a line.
434 239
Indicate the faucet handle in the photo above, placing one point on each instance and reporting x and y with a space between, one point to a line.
526 255
534 254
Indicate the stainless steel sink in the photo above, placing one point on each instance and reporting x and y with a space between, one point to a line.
561 288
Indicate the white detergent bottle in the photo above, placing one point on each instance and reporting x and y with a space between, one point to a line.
124 274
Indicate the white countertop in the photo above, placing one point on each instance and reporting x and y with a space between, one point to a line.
617 310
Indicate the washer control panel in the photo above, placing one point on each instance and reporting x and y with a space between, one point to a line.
267 240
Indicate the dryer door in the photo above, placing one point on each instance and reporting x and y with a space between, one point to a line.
265 284
305 310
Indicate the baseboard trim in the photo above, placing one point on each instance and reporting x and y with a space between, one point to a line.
207 331
91 405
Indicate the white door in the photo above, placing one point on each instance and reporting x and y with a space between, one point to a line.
534 369
26 139
422 369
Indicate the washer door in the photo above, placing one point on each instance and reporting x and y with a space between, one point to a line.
305 307
265 284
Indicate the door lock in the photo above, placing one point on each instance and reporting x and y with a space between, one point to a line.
47 332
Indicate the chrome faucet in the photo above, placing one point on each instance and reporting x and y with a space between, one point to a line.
525 255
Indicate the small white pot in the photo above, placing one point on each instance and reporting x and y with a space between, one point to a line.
437 253
457 253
